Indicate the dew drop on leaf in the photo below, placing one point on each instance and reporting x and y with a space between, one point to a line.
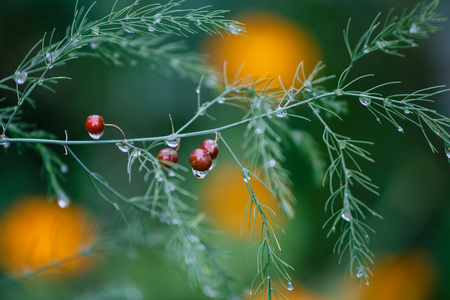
359 272
281 113
290 286
95 30
63 202
365 101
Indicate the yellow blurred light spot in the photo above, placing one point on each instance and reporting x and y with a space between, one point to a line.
226 197
36 233
409 276
272 47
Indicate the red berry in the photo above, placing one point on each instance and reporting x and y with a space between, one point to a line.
200 160
167 154
95 124
211 147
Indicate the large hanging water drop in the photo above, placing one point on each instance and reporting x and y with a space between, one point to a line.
281 113
122 147
96 136
365 101
63 202
172 142
199 174
290 286
20 77
346 215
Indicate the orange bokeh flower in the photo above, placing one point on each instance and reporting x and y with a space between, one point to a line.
226 197
36 235
272 47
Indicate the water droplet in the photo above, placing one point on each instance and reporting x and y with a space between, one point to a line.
209 291
175 221
271 163
221 100
199 23
116 206
64 168
5 144
339 92
343 145
128 28
151 28
400 129
169 187
95 30
201 247
157 19
381 44
197 90
122 147
259 131
406 111
281 113
447 149
158 176
96 136
213 164
172 142
367 282
63 202
200 174
360 272
290 286
20 77
233 29
414 29
193 238
365 101
93 45
366 49
346 215
136 153
171 173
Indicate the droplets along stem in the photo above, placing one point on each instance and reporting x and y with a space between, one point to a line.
269 263
186 230
354 237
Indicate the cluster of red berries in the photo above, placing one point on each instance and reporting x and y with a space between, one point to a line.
201 159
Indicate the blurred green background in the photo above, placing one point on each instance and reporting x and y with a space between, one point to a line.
414 183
